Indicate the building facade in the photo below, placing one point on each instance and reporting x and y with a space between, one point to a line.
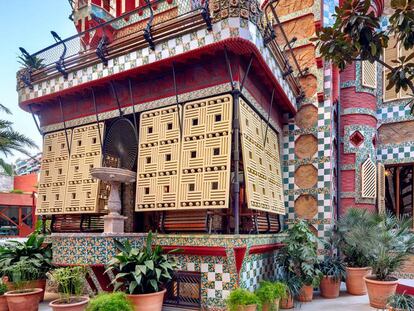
241 128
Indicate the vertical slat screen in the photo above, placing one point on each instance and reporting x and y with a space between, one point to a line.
53 173
82 191
369 179
205 152
158 160
369 74
381 188
261 161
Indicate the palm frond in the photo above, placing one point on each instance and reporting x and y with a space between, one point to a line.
7 168
5 109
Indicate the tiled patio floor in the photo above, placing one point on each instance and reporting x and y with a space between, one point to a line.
345 302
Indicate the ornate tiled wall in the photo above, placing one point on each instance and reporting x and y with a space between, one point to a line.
218 273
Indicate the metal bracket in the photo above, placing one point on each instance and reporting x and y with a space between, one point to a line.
35 120
115 94
97 117
147 31
102 50
64 124
268 34
205 13
60 64
268 117
176 100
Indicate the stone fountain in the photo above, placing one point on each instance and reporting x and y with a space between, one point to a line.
114 222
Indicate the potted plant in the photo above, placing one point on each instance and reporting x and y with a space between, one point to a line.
34 249
293 284
142 274
356 224
400 302
300 257
70 282
110 302
270 294
333 270
242 300
388 248
22 297
3 301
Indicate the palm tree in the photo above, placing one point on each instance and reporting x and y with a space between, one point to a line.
11 141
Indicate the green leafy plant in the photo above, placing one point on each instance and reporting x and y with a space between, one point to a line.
390 245
268 292
299 255
332 266
40 255
353 226
22 272
31 62
70 282
356 35
241 297
110 302
401 302
3 287
141 271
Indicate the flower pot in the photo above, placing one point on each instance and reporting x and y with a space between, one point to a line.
31 284
271 306
247 308
355 284
74 304
306 293
330 287
287 303
3 303
380 291
27 299
148 302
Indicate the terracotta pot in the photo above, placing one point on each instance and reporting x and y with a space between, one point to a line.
355 284
247 308
27 300
287 303
30 284
306 293
330 287
380 291
3 303
268 306
76 304
148 302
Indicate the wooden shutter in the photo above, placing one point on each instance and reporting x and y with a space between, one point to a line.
390 53
369 74
381 188
369 179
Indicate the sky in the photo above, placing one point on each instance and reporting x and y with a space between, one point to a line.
27 24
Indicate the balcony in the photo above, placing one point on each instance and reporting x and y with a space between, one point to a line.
159 30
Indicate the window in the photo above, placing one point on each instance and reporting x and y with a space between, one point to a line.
148 160
217 117
49 148
47 173
76 169
191 187
250 155
168 157
193 154
214 185
89 195
169 126
62 146
369 74
43 197
216 151
194 121
146 190
73 196
166 189
150 129
90 166
79 143
393 52
60 171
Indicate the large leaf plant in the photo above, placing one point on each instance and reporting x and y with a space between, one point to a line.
299 256
33 250
141 271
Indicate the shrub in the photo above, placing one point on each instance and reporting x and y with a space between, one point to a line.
70 281
3 288
333 267
110 302
141 271
401 302
241 297
22 272
268 292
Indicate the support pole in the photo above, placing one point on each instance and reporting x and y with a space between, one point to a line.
236 161
176 100
97 117
64 124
